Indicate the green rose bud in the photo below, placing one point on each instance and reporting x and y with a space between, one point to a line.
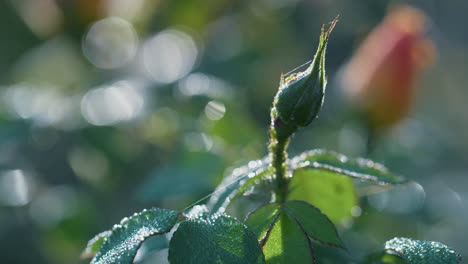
301 95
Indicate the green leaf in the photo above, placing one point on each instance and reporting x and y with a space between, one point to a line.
288 242
422 252
252 181
232 185
218 239
285 231
122 244
334 194
94 244
359 168
314 222
261 220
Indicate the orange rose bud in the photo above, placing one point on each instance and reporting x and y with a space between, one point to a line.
381 76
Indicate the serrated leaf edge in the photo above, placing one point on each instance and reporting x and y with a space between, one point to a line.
282 207
264 239
326 217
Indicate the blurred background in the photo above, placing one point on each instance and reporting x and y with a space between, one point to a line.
111 106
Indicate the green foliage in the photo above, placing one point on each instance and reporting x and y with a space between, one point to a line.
94 244
287 241
359 168
408 251
285 231
421 252
236 183
217 239
121 245
332 193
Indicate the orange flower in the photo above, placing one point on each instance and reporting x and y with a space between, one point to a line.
381 77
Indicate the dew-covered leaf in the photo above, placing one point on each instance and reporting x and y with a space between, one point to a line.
231 184
334 194
94 244
285 231
359 168
121 246
422 252
252 181
313 222
217 239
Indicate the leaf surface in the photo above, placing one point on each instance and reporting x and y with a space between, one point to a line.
94 244
264 218
334 194
288 242
359 168
217 239
285 231
121 246
233 185
314 222
422 252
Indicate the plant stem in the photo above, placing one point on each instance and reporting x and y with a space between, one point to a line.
279 156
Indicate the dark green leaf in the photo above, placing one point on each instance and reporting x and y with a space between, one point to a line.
218 239
122 244
314 222
334 194
94 244
359 168
422 252
231 184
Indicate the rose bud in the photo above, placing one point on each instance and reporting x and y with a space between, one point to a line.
300 96
381 76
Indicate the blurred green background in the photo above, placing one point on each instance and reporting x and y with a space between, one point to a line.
111 106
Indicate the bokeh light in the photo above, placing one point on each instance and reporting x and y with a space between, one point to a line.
169 55
14 188
203 84
44 106
215 110
53 205
402 200
110 43
121 101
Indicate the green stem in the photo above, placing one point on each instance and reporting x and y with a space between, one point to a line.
278 145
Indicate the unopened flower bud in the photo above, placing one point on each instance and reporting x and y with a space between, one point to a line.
301 95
